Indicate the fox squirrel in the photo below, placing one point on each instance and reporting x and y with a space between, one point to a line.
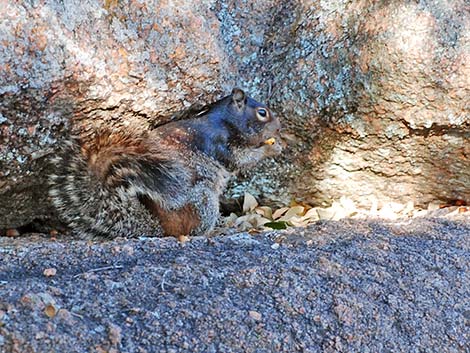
166 181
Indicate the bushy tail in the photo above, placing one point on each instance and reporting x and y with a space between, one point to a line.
79 198
96 190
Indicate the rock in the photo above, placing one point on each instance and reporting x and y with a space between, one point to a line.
358 285
373 96
255 315
50 310
50 272
376 96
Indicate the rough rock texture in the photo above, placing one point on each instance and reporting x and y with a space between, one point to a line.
373 94
377 95
332 287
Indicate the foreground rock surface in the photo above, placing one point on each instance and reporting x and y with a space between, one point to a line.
333 287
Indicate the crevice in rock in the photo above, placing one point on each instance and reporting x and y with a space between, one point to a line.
438 130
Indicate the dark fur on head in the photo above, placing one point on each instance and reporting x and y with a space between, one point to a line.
228 127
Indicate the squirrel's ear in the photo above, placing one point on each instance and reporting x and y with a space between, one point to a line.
239 98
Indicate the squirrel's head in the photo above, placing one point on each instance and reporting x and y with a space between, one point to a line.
235 130
251 124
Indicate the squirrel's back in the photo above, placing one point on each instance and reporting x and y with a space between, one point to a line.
96 187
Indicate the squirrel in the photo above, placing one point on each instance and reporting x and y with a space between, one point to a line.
165 181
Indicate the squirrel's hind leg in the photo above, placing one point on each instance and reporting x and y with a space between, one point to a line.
197 217
174 223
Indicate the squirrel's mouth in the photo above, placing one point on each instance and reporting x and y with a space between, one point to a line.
264 142
270 141
274 145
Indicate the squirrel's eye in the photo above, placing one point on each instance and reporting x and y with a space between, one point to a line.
262 114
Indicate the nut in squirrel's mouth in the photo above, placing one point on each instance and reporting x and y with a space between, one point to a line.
276 145
273 142
270 141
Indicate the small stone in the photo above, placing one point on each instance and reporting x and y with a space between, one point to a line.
50 272
249 203
255 315
50 310
275 246
183 239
